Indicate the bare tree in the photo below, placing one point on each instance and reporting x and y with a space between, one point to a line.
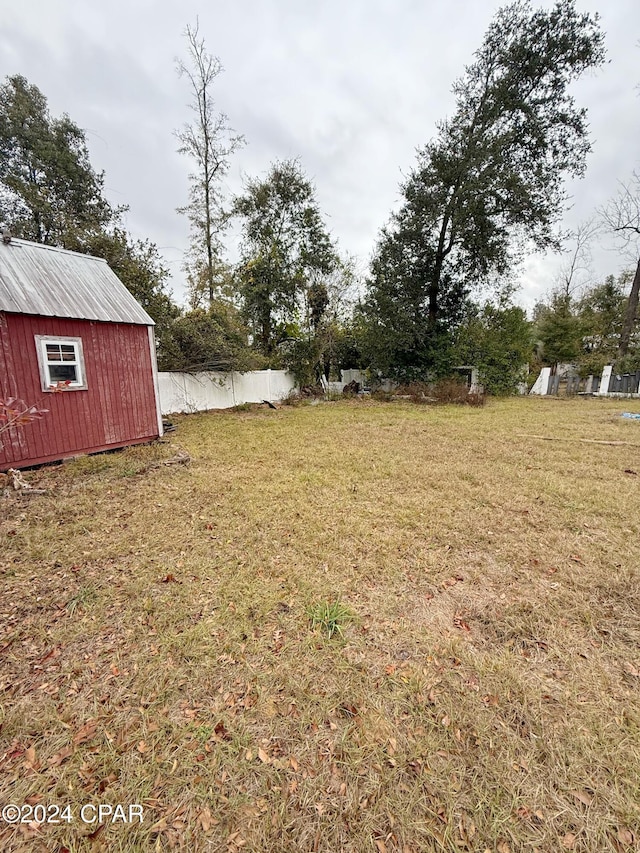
576 273
622 217
209 142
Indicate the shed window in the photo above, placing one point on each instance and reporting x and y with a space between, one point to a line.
61 360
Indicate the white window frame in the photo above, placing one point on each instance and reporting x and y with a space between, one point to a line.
43 362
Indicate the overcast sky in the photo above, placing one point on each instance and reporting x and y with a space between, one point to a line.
350 87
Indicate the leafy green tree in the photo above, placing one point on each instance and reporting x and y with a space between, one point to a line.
601 313
198 281
49 191
138 264
493 177
211 339
286 252
209 142
399 339
587 331
559 331
321 345
498 341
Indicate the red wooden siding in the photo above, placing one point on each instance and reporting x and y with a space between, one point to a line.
118 408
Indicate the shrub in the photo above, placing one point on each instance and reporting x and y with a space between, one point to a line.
450 390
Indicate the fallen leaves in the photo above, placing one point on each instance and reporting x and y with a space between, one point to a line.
206 820
459 621
57 759
220 731
86 733
626 837
583 797
30 761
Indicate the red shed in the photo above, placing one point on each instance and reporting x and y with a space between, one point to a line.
68 317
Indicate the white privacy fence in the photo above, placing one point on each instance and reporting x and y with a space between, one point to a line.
197 392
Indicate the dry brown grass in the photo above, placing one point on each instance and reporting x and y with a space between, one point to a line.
156 646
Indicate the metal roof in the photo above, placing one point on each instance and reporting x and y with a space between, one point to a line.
52 282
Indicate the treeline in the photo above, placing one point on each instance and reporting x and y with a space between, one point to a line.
585 329
437 292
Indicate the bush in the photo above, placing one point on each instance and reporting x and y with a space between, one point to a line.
450 390
293 398
417 392
453 391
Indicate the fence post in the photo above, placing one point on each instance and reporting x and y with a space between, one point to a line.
606 379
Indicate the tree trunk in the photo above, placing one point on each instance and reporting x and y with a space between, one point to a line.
630 315
265 331
207 192
433 303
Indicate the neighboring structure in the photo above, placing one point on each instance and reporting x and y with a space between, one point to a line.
470 374
66 317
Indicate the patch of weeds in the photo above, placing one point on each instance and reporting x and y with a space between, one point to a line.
85 596
476 398
382 396
293 398
203 733
416 392
454 390
131 470
96 464
311 391
330 617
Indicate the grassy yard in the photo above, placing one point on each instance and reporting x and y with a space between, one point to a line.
163 634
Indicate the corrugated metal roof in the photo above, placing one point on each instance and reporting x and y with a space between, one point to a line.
37 279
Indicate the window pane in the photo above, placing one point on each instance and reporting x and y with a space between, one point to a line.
53 352
68 356
63 373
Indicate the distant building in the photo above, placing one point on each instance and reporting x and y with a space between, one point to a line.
66 317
